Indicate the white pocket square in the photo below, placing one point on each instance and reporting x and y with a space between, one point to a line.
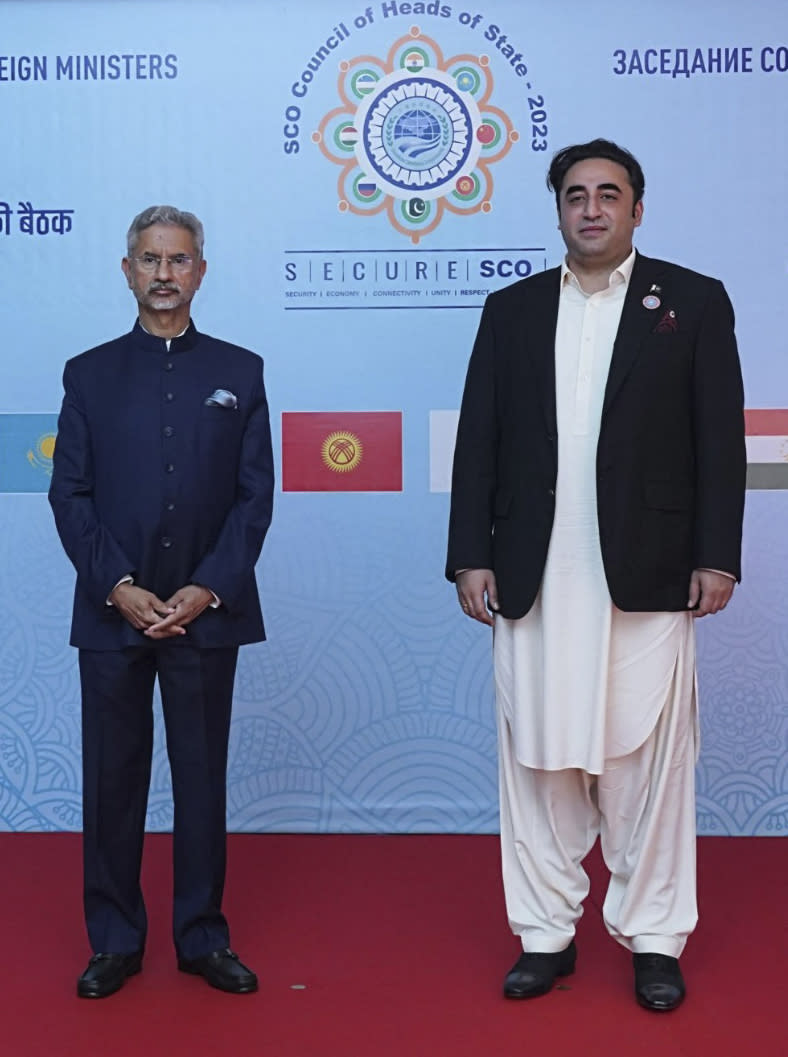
222 398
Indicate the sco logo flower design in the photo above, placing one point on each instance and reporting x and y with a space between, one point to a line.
415 135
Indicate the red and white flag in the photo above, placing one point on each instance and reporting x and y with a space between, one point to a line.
767 447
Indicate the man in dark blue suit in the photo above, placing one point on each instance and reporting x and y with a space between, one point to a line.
162 493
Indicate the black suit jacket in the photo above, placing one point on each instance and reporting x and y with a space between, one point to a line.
150 480
671 460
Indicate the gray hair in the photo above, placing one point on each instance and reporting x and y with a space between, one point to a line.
165 215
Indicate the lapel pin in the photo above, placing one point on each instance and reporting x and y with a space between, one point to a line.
651 301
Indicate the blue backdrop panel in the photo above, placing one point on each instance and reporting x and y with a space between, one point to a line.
366 174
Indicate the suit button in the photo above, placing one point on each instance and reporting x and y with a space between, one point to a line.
168 431
166 541
551 491
169 397
168 366
169 467
170 506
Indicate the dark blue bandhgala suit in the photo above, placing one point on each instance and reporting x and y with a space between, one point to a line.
151 481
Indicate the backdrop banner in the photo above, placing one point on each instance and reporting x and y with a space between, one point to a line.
366 175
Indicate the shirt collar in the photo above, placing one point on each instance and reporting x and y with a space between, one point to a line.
619 275
182 342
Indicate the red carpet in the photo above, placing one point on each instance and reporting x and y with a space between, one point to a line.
375 946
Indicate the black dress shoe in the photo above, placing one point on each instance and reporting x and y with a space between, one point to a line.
107 973
222 969
659 984
534 973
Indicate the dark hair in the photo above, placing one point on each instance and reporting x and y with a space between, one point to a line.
598 148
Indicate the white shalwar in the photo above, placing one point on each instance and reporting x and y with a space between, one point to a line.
597 711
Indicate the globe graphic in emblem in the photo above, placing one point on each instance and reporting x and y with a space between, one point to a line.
415 133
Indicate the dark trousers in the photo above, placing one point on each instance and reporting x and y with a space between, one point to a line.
117 741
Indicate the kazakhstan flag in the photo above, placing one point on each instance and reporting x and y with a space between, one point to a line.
27 442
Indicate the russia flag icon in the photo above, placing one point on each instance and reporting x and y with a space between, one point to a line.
366 189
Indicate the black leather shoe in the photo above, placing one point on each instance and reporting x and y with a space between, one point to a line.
107 973
534 973
659 984
222 969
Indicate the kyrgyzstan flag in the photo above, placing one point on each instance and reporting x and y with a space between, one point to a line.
341 451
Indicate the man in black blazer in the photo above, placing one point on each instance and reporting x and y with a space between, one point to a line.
162 492
597 499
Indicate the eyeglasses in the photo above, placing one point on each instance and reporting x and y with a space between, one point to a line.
149 262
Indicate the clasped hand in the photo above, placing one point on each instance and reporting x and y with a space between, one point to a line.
147 613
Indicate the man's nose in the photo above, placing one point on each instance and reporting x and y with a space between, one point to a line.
164 265
592 207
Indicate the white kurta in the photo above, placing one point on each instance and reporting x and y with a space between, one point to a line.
578 680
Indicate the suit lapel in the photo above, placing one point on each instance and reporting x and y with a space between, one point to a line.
540 315
636 322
